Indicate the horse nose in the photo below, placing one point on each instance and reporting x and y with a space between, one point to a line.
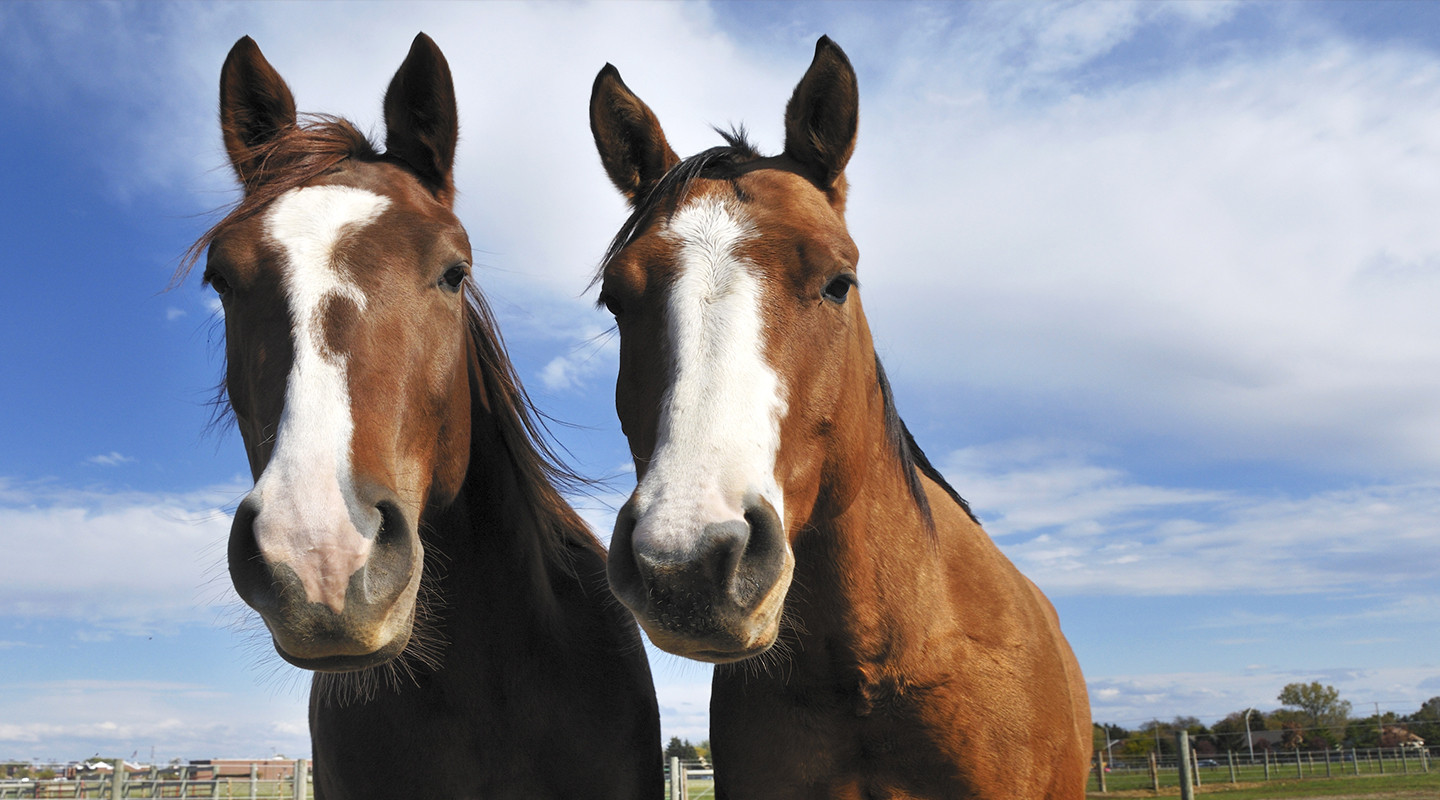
729 566
315 601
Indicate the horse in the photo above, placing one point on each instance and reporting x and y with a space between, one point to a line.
870 639
406 537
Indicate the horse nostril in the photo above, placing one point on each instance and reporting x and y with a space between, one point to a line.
623 566
392 521
251 575
767 532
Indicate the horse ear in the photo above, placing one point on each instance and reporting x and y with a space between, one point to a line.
627 133
421 122
255 107
823 115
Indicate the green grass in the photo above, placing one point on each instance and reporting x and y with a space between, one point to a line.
1367 786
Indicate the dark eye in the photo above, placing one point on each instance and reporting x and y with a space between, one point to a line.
839 288
455 277
611 304
217 282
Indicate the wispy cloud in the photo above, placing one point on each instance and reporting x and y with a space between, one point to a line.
1134 699
1078 527
123 561
110 459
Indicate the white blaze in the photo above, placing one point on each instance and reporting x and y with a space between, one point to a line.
719 425
310 517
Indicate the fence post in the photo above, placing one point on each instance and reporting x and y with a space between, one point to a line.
254 778
1154 773
677 779
1267 763
1299 765
1382 760
300 779
117 784
1404 761
1100 769
1182 747
1327 762
1231 754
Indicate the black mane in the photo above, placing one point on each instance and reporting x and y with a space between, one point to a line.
913 461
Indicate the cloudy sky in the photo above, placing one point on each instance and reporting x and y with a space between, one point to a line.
1156 285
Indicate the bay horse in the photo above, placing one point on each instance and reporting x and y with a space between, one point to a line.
871 640
405 537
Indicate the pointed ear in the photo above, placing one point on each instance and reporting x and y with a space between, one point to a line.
421 123
823 115
627 133
255 106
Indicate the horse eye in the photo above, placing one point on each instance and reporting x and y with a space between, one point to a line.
611 304
839 288
455 276
217 282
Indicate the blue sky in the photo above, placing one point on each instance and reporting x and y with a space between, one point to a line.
1155 284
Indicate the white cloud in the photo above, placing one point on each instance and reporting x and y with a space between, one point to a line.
110 459
1078 528
1238 256
65 719
1131 700
115 561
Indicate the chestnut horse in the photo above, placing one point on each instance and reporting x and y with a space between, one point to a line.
872 640
405 537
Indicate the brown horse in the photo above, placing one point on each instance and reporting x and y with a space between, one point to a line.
405 537
872 640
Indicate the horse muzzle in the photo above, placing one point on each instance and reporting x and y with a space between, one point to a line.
716 596
333 599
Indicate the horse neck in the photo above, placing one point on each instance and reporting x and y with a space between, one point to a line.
868 569
504 540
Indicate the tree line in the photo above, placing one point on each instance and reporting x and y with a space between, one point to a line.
1311 717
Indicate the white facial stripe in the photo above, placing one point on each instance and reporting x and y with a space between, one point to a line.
719 426
310 517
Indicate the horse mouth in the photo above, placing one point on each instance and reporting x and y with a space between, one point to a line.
720 641
326 643
344 662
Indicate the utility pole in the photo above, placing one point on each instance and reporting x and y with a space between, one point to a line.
1248 743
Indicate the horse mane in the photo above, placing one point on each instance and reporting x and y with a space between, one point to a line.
541 473
295 157
913 461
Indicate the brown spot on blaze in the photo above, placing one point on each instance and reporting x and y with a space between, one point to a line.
335 319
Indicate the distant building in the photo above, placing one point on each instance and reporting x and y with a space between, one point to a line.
266 769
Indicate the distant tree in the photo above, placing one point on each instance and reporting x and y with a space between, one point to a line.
1229 733
1294 737
1425 722
1366 732
681 750
46 774
1321 705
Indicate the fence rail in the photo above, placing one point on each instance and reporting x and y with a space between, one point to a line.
1238 767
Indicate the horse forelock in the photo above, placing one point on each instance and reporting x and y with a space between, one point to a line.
295 157
717 162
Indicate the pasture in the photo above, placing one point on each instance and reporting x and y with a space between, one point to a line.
1351 774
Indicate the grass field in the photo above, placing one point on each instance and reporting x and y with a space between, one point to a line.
1416 786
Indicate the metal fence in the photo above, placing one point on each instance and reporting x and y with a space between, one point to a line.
1231 767
150 784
